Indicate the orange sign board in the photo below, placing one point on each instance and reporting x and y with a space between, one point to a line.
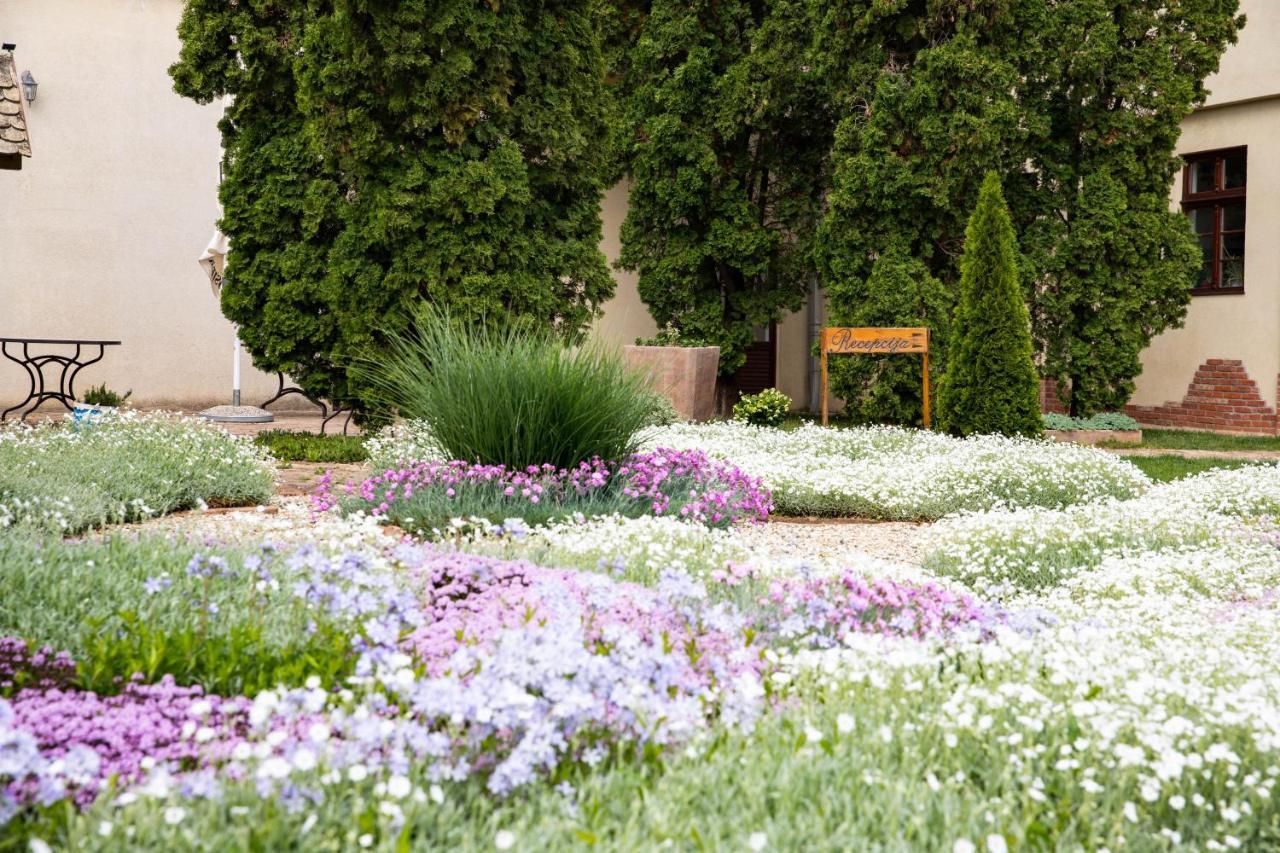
874 341
869 341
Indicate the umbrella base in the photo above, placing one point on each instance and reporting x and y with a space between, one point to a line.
237 415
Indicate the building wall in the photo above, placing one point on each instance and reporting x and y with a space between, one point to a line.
1220 370
625 315
105 221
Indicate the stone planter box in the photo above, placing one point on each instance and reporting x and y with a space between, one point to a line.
1096 436
685 375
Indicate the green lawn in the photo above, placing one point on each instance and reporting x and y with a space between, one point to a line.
1171 439
1165 468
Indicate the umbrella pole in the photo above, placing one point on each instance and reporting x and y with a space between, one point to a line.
235 372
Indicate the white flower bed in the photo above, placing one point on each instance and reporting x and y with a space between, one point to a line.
892 473
1033 548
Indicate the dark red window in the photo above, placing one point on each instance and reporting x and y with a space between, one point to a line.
1213 188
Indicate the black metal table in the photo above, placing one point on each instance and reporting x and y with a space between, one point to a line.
35 364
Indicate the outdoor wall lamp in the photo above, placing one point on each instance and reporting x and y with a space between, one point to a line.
29 86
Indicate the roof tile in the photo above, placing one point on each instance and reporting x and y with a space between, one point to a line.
14 138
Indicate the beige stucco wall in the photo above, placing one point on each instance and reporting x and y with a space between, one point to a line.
625 315
103 225
1251 67
1234 326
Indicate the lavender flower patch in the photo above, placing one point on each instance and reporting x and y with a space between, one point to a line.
685 484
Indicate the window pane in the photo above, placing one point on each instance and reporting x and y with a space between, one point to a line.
1206 271
1201 220
1233 217
1232 260
1203 176
1234 171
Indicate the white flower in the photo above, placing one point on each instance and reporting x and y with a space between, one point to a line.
357 772
304 759
437 794
399 787
365 840
758 841
174 815
308 824
38 846
1131 812
105 827
997 844
844 723
274 767
1176 802
504 840
963 845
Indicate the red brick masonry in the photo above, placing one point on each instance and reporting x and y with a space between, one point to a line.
1221 397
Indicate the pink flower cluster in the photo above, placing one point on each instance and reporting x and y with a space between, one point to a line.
161 722
833 607
683 482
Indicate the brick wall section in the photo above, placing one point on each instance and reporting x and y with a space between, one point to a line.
1221 397
1049 399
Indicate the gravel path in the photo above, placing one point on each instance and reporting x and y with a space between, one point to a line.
831 540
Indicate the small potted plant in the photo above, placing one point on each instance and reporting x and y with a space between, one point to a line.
680 368
97 402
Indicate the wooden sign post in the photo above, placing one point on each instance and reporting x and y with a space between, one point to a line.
872 341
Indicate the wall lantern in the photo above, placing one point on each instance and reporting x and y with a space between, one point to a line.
29 86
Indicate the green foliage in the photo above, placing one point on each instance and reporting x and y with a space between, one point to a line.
510 395
670 336
382 154
1077 106
233 633
665 413
290 446
990 385
725 135
1102 420
122 468
900 291
101 395
768 408
235 660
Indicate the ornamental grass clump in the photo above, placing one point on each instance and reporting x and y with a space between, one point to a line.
426 496
512 395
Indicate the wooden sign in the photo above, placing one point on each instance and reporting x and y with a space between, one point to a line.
873 341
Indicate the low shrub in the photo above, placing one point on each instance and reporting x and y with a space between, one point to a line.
426 496
768 408
503 395
670 336
291 446
101 395
125 467
1100 421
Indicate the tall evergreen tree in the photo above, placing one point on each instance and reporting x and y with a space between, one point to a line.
727 130
1078 106
1107 264
379 153
990 385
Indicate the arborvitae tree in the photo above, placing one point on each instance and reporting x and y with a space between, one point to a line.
990 385
728 128
1107 264
1078 106
899 292
384 152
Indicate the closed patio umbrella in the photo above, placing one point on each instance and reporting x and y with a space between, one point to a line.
214 260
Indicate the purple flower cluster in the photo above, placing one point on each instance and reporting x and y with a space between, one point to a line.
21 666
56 743
687 483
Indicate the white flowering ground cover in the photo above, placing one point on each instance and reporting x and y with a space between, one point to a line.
1094 673
894 473
62 478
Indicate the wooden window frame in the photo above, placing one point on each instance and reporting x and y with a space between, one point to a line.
1216 199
